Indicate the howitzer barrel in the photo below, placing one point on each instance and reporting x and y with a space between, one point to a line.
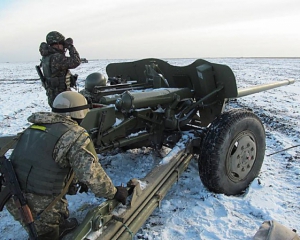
251 90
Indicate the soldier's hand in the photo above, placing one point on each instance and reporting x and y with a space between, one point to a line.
83 188
121 194
68 43
44 49
1 181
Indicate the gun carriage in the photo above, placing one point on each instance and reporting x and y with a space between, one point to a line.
156 104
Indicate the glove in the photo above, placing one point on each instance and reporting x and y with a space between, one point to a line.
121 194
68 43
1 181
83 188
44 49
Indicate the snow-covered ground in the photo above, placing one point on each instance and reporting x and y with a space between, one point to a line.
188 211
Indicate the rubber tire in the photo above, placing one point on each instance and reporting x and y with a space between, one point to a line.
213 159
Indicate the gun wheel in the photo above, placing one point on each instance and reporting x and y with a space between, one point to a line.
232 152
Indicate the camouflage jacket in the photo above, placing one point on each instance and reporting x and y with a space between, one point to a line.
76 150
60 63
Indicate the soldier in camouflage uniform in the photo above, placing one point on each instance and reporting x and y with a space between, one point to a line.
46 155
56 64
91 81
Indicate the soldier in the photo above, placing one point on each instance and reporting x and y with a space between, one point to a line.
91 81
47 155
56 64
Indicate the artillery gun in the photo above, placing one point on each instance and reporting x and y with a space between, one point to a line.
182 108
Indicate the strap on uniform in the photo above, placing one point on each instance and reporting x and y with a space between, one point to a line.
72 109
9 145
64 192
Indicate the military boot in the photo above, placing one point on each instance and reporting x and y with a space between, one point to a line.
53 235
67 226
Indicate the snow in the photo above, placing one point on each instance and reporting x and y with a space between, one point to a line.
188 211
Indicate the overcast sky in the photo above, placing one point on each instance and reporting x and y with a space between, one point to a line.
133 29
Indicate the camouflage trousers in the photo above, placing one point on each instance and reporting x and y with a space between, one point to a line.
48 223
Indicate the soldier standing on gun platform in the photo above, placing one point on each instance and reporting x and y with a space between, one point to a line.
56 64
48 156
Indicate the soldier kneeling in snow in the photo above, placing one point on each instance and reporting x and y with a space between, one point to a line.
48 155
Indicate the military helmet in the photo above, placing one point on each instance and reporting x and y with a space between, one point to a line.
72 104
54 37
94 79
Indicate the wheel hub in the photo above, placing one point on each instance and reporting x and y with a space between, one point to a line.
241 156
